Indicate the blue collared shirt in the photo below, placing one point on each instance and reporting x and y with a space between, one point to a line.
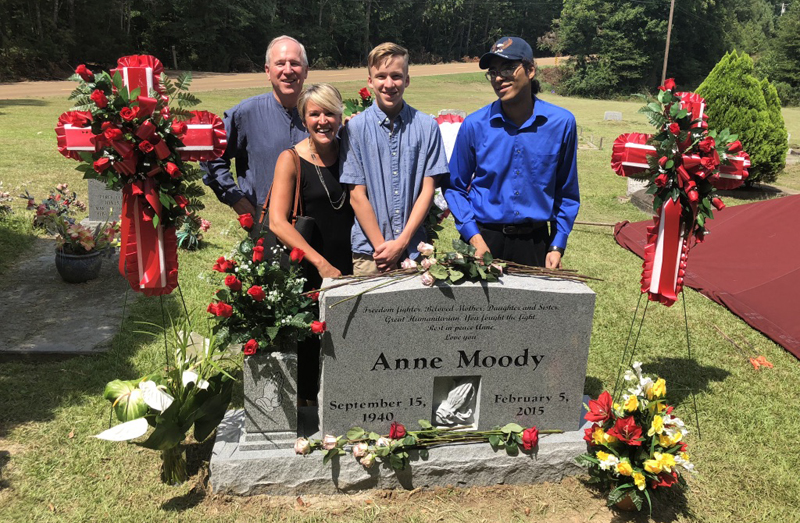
259 130
521 174
392 163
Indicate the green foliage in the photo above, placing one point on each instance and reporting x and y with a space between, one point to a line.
738 101
782 61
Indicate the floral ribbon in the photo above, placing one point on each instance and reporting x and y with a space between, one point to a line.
148 255
140 71
74 134
629 154
204 139
733 175
665 255
695 105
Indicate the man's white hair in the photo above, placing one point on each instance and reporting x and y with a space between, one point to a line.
277 39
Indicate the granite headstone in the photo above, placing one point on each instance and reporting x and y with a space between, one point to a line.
103 203
473 354
612 115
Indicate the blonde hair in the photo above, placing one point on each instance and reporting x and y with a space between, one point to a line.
385 51
324 95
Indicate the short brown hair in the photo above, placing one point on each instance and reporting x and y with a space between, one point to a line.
384 51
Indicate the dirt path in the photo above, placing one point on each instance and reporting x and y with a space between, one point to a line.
214 81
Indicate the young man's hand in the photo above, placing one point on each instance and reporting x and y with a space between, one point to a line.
553 260
388 254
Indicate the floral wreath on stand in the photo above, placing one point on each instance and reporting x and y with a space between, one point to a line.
126 135
685 163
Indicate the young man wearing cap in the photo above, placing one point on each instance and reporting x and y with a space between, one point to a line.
513 169
391 155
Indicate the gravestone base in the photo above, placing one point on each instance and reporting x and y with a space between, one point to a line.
238 470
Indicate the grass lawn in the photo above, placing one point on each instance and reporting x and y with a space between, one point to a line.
51 469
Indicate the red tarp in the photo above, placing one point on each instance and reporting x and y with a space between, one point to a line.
750 263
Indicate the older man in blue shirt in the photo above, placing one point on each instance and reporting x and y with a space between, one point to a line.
260 129
513 169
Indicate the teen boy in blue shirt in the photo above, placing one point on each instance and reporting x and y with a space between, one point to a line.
513 169
391 155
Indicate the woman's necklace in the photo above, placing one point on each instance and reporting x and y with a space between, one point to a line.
340 201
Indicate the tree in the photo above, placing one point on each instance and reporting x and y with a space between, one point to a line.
749 108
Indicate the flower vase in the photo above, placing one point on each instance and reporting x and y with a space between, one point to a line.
626 504
78 268
173 466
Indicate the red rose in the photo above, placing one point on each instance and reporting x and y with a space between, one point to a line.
669 84
708 163
318 327
113 134
693 195
178 128
212 308
662 161
99 98
258 253
296 255
314 296
661 180
173 170
257 293
223 265
600 409
626 430
233 282
707 144
717 203
260 242
129 113
674 128
735 147
397 431
250 347
224 310
146 147
530 437
246 221
84 73
101 164
182 201
365 94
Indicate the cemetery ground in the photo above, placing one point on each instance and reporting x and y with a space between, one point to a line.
51 469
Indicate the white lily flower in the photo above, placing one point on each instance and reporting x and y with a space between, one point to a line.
125 431
190 376
155 398
609 463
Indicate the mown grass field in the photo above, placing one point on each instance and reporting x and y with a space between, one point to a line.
51 469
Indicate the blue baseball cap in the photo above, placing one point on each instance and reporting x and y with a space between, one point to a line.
509 48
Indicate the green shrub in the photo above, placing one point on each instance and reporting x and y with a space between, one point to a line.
749 108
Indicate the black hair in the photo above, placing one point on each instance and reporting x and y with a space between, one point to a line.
536 87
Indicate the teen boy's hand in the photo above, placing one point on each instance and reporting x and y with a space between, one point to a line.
388 254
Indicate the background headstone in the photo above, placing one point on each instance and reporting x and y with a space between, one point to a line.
270 400
102 201
468 354
613 115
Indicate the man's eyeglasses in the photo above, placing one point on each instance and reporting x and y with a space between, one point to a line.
506 73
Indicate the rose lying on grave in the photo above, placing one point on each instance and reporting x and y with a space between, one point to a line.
393 447
637 446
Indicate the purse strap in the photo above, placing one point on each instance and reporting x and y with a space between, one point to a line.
297 207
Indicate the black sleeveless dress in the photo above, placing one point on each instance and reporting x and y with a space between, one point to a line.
332 227
331 238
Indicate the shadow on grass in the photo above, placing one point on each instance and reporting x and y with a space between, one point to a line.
22 101
35 387
16 238
684 376
5 457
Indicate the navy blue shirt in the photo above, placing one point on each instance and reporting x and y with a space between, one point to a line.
259 130
521 174
392 163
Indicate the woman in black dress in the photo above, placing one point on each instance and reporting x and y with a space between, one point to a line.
327 255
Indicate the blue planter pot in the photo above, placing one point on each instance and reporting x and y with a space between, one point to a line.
78 268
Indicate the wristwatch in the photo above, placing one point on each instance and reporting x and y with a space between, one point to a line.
554 248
